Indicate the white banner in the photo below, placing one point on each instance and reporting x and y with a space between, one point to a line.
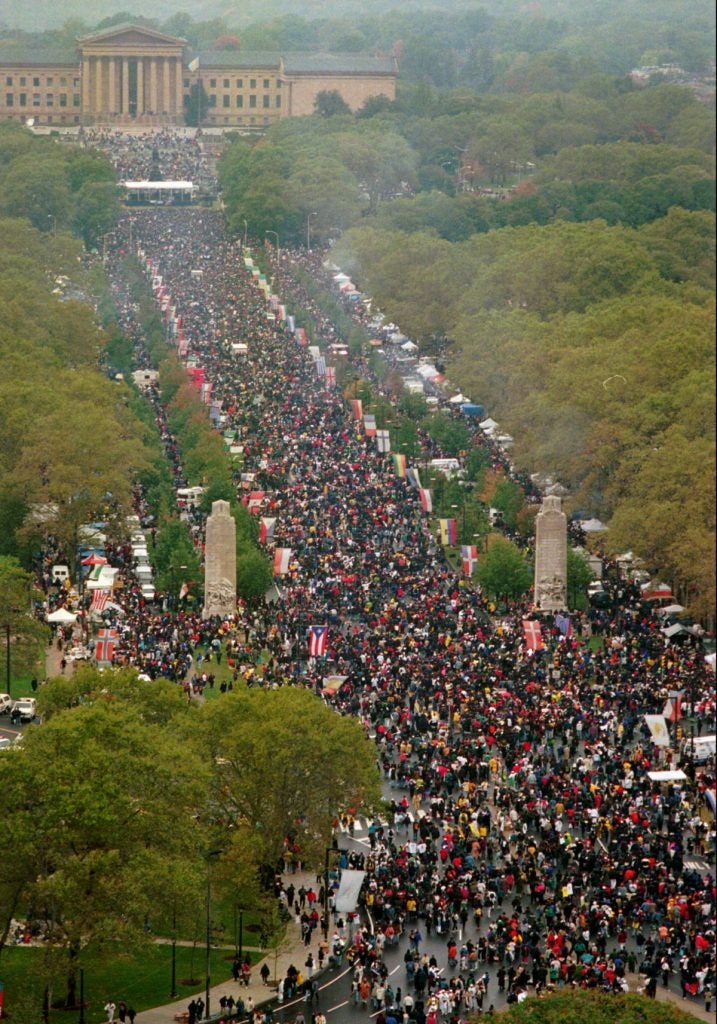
658 729
349 888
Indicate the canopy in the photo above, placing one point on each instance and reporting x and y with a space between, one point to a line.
671 609
458 399
488 425
674 630
94 559
592 526
671 776
409 346
341 277
62 615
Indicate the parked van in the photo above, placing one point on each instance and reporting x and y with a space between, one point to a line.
60 573
144 573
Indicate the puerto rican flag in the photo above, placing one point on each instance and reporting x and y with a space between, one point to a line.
282 561
532 634
426 499
317 641
99 600
105 649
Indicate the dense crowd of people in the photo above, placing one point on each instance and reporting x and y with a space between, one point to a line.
525 827
161 154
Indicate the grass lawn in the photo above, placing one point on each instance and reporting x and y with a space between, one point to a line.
142 981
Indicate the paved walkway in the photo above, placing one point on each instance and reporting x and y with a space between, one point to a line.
290 951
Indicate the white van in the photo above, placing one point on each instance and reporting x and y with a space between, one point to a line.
60 573
144 573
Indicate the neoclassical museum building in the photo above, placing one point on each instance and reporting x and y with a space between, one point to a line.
130 75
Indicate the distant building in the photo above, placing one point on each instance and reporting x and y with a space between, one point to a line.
130 75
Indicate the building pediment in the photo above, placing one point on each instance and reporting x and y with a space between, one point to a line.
121 36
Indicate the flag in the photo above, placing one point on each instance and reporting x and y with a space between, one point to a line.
673 707
254 502
469 557
282 560
320 366
105 644
357 408
383 441
563 624
426 499
183 591
533 636
301 335
369 425
99 600
194 65
317 641
399 462
658 730
413 477
330 376
266 530
448 531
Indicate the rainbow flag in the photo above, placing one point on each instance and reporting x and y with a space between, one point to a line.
448 531
399 462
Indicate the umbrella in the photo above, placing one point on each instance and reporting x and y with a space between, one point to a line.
62 615
94 559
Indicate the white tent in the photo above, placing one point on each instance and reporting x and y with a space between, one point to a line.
457 399
340 277
671 609
487 426
668 776
409 346
62 616
592 526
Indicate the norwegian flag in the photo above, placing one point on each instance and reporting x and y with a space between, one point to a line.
105 649
282 561
532 634
99 600
318 636
426 499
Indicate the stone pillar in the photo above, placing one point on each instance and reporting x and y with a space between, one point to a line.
551 557
125 85
220 563
179 89
86 86
166 96
99 72
140 86
112 101
153 92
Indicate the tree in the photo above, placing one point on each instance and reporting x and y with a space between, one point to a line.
103 808
503 570
38 190
196 104
97 211
286 764
254 574
330 103
21 635
579 574
596 1007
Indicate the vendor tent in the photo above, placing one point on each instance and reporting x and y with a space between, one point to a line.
592 526
61 617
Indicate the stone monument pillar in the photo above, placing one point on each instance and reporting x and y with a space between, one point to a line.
220 563
551 557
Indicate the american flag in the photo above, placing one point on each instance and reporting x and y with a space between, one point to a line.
318 636
99 600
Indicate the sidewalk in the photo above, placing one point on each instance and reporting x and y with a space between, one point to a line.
290 951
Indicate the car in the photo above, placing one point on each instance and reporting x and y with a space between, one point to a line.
5 743
25 708
595 587
147 591
5 703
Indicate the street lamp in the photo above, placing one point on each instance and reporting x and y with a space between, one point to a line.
246 229
53 218
278 250
209 855
308 230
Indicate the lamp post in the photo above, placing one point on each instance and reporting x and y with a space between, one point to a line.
308 230
173 993
246 230
278 249
209 855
